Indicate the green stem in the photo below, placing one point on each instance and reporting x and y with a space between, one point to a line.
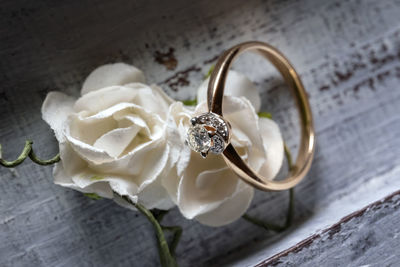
166 253
272 226
261 223
166 258
27 152
24 154
288 156
177 231
159 214
43 162
290 212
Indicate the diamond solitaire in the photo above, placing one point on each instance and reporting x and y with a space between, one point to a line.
209 132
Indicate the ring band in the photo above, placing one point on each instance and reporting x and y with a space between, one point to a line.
214 130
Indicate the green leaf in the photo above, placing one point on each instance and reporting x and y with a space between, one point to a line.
93 196
209 72
96 177
265 115
192 102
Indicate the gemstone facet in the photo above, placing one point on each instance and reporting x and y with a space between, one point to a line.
209 132
198 138
218 144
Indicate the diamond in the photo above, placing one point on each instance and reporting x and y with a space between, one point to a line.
218 144
209 132
198 138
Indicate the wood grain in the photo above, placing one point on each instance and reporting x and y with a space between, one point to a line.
366 237
347 53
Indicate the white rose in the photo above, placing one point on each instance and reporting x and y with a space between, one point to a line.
113 138
124 136
206 189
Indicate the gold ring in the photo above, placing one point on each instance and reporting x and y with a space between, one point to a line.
211 132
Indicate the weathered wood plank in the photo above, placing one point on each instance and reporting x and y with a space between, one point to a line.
347 52
368 237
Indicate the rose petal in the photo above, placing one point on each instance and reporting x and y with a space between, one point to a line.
69 167
141 166
118 183
177 125
87 179
244 121
170 181
99 100
88 129
89 153
229 210
152 163
55 110
71 161
84 131
179 120
205 184
154 100
155 196
112 74
116 141
273 145
162 94
236 85
134 93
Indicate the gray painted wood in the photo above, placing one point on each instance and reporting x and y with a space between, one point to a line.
347 53
368 237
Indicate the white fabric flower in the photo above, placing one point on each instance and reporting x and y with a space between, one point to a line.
125 136
113 138
206 189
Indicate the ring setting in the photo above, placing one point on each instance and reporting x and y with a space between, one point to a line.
209 133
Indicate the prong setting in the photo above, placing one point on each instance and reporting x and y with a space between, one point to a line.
209 133
204 154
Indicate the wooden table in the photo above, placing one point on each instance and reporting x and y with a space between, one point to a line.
348 55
